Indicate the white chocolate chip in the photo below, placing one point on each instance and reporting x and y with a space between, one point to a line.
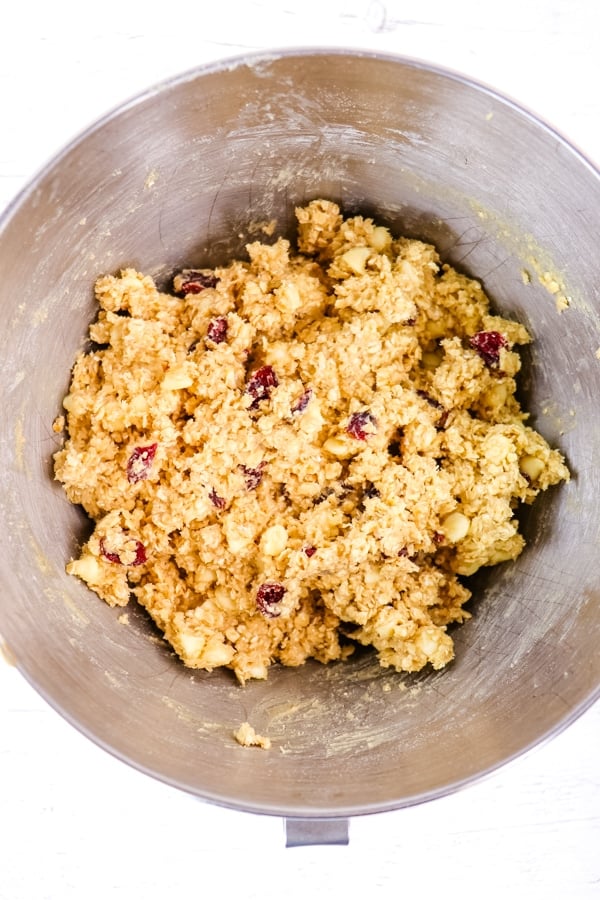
531 466
381 239
176 379
87 568
497 394
288 297
274 540
455 526
339 447
191 644
75 404
216 652
356 258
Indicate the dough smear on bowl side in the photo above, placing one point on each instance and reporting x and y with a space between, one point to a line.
301 451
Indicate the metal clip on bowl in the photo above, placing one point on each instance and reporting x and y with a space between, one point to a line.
306 832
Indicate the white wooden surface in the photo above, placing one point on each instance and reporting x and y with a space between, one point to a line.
74 822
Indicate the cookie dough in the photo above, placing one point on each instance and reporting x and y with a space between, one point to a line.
246 736
303 451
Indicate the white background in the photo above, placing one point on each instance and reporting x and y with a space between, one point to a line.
74 822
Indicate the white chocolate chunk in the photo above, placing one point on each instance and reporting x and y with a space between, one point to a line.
381 239
356 259
274 540
87 568
531 466
176 379
455 526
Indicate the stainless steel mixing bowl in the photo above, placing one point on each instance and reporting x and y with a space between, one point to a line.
181 175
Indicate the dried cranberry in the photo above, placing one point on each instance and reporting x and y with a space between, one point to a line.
359 422
253 477
268 596
261 384
217 501
192 281
107 554
217 330
403 552
140 463
310 551
303 401
438 537
488 345
139 559
140 554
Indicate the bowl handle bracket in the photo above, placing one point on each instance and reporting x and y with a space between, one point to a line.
304 832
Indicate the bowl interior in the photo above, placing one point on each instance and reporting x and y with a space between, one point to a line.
185 175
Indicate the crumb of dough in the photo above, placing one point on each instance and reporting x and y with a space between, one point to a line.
151 180
598 353
562 302
6 655
123 619
302 451
554 287
59 424
247 737
269 227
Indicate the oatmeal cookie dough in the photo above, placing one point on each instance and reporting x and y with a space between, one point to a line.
301 451
246 736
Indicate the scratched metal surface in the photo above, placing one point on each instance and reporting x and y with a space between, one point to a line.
321 737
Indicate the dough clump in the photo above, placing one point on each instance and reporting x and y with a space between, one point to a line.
306 450
246 736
